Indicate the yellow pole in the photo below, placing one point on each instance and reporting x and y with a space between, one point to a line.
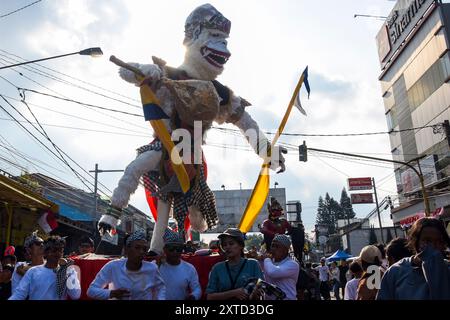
424 191
9 211
425 196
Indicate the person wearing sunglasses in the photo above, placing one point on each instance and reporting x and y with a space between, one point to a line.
34 251
180 277
57 279
86 246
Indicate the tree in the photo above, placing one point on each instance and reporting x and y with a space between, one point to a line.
327 213
346 205
372 236
323 216
254 240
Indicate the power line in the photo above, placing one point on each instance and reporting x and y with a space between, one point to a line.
20 9
81 129
81 178
90 108
76 117
62 159
333 134
28 158
68 83
234 131
82 103
319 158
71 77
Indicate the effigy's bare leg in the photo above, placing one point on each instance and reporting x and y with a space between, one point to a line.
128 184
161 224
147 161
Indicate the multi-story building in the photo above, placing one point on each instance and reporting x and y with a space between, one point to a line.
413 47
232 203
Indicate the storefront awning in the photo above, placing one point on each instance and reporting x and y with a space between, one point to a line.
17 195
71 212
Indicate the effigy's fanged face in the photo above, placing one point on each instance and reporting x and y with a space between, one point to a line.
213 47
207 54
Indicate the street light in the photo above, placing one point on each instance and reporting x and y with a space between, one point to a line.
93 52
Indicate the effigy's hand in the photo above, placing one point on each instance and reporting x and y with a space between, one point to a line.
151 72
277 160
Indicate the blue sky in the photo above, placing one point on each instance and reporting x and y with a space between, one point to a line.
271 42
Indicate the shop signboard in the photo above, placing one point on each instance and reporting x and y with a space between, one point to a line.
359 184
358 198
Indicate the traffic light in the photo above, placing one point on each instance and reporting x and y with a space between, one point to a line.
303 152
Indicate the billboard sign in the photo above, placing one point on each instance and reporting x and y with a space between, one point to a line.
410 181
359 184
400 22
358 198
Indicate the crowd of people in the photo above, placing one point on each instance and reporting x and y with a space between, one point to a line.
416 268
412 268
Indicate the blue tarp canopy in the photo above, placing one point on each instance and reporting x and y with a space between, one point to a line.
339 255
70 212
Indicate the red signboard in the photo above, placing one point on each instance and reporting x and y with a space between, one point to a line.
361 198
407 222
359 184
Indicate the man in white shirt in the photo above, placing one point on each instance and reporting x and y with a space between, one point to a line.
129 278
55 280
324 277
281 270
351 287
34 249
180 277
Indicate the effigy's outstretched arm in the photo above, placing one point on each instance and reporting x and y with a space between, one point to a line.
259 141
152 71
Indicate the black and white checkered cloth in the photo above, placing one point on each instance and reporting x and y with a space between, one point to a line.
61 278
200 195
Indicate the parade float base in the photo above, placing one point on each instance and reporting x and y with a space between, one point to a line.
90 265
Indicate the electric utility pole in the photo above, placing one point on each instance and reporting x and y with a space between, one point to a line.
97 171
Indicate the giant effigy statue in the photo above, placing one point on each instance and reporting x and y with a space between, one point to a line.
187 95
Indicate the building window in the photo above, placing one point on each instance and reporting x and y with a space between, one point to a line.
430 81
391 119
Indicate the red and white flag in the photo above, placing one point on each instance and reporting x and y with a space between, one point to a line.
48 222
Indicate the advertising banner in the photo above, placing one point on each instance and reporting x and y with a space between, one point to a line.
359 184
358 198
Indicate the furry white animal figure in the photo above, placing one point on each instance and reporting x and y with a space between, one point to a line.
206 33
